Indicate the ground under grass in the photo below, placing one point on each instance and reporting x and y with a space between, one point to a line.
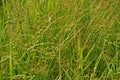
60 40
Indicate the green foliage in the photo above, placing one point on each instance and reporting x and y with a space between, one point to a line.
60 40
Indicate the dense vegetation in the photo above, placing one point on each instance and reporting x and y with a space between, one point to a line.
60 40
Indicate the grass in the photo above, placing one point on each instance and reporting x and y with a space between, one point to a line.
60 40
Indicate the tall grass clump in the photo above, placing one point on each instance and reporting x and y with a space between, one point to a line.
60 40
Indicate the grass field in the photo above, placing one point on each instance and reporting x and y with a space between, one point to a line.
60 40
